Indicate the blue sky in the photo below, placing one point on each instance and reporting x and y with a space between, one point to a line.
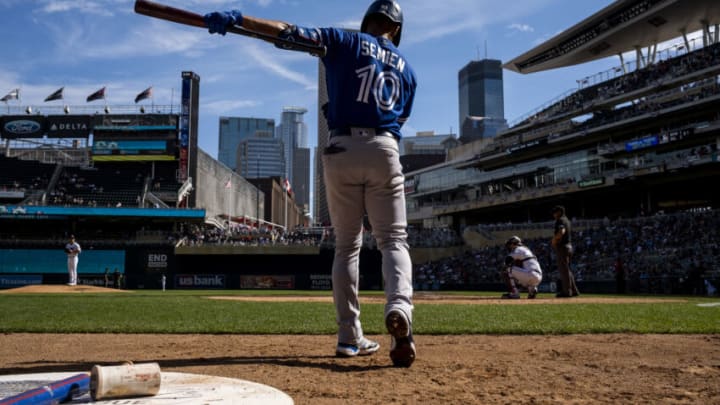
87 44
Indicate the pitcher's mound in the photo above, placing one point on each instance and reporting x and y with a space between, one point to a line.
175 388
61 288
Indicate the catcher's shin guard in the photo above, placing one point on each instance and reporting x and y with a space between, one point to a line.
506 274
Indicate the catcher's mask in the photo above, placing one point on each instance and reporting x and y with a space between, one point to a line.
513 241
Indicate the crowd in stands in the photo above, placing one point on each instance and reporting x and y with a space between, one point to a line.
651 75
242 235
433 237
95 188
23 176
660 253
121 185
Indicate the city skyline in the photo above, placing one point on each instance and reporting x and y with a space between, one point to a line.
101 44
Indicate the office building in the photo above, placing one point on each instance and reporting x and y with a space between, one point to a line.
293 132
233 130
481 100
261 156
321 213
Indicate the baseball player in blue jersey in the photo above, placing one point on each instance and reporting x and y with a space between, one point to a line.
371 88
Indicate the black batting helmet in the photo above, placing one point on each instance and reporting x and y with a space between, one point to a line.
514 240
388 8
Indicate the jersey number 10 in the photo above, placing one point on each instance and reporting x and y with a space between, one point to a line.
376 83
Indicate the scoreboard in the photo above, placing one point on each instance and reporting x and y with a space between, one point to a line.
138 137
128 137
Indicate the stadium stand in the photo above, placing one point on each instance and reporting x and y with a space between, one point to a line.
663 254
24 176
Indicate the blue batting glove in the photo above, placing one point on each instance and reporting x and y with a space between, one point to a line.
218 21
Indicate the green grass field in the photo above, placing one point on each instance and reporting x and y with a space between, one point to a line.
177 311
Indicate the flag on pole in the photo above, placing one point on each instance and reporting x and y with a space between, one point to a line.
58 95
147 93
13 95
100 94
286 186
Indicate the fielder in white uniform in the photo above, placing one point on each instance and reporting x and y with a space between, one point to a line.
72 249
521 267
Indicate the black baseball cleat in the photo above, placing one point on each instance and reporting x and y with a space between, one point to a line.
510 296
402 348
532 293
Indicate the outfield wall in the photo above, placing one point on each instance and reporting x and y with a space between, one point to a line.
221 191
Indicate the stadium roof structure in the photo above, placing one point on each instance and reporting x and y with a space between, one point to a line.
623 26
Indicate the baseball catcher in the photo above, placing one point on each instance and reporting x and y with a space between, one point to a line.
521 267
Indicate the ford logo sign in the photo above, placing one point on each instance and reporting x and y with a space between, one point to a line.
22 127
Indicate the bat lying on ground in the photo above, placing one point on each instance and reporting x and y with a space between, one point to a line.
103 382
185 17
56 392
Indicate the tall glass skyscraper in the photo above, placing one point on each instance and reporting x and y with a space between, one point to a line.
293 132
260 156
481 100
233 130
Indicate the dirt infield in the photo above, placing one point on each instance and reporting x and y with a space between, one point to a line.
459 299
477 369
61 288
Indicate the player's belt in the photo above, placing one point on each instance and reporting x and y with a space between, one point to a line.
360 131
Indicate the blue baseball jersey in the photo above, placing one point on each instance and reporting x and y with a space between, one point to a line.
369 83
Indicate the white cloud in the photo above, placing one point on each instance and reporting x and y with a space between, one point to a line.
521 27
82 6
278 66
87 42
218 107
429 19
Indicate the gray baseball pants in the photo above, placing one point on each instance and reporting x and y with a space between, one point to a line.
363 173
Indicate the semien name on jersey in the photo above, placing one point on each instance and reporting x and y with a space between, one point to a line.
383 55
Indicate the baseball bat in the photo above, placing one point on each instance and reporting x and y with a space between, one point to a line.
180 16
53 393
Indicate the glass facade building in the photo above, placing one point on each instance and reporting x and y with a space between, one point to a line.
480 98
233 130
293 132
261 157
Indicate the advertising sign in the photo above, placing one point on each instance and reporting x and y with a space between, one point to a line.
7 281
22 126
201 281
68 126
